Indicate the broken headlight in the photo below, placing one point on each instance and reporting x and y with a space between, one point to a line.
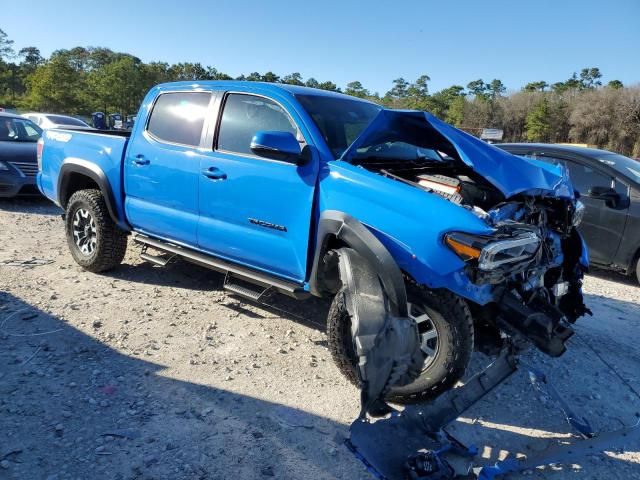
492 252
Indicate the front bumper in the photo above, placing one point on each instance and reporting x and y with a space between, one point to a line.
18 180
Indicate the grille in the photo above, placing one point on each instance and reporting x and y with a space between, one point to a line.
28 169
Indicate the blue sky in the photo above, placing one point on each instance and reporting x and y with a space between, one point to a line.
453 42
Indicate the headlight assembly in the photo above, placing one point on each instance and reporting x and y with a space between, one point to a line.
493 252
3 167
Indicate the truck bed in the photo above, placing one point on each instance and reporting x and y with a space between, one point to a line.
100 151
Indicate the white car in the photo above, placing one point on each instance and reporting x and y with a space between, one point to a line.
53 120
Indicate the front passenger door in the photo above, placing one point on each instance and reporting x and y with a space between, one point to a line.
255 210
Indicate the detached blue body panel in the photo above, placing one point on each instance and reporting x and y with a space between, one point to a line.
219 202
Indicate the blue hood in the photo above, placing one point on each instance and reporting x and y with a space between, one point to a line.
510 174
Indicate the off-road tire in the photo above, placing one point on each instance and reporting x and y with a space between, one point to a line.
110 241
451 318
638 269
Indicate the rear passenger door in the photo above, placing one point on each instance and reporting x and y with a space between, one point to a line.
162 167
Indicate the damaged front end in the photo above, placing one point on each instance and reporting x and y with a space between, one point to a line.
520 259
535 261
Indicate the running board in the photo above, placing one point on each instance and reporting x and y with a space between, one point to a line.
155 259
245 289
263 280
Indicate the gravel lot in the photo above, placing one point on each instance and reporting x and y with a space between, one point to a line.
158 373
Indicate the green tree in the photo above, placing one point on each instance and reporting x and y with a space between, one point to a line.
6 47
496 88
31 58
120 85
538 122
312 83
538 86
615 84
590 78
328 86
293 79
479 89
455 111
399 90
270 77
355 89
57 87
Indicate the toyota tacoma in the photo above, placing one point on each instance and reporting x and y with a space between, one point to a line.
429 241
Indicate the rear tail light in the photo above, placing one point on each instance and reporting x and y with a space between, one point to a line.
39 153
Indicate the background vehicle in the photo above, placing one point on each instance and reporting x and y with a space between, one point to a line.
18 146
52 120
114 121
609 185
304 191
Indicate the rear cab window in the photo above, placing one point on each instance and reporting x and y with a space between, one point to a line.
178 117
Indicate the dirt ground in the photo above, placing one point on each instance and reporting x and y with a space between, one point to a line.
158 373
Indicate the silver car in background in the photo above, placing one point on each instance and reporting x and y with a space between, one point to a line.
54 120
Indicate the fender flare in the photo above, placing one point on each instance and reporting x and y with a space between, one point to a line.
95 173
357 236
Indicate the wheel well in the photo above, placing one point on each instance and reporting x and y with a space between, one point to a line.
328 271
75 181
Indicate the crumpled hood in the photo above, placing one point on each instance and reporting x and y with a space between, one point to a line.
509 173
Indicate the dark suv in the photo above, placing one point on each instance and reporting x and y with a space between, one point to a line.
609 185
18 155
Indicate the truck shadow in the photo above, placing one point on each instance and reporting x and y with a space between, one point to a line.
311 312
75 407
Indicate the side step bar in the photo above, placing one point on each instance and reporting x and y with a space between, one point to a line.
263 281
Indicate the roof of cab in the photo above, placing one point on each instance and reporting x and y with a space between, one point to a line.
264 86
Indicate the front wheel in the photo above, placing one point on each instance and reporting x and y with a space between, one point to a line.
95 241
446 333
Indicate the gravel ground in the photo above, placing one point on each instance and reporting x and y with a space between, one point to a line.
147 372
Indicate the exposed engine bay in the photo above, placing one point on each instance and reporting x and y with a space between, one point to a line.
531 259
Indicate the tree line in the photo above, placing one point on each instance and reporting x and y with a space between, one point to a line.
582 109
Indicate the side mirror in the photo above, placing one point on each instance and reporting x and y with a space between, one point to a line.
281 146
608 194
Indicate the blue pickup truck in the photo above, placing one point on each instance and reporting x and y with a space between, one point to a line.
430 242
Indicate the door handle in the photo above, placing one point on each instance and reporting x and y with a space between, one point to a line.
141 160
214 173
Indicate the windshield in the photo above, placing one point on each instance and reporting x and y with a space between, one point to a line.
340 120
62 120
18 130
622 164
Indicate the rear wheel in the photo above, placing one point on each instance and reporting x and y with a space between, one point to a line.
95 241
446 332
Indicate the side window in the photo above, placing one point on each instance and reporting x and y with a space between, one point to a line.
584 177
179 117
244 115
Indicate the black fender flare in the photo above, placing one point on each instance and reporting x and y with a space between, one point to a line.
95 173
357 236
